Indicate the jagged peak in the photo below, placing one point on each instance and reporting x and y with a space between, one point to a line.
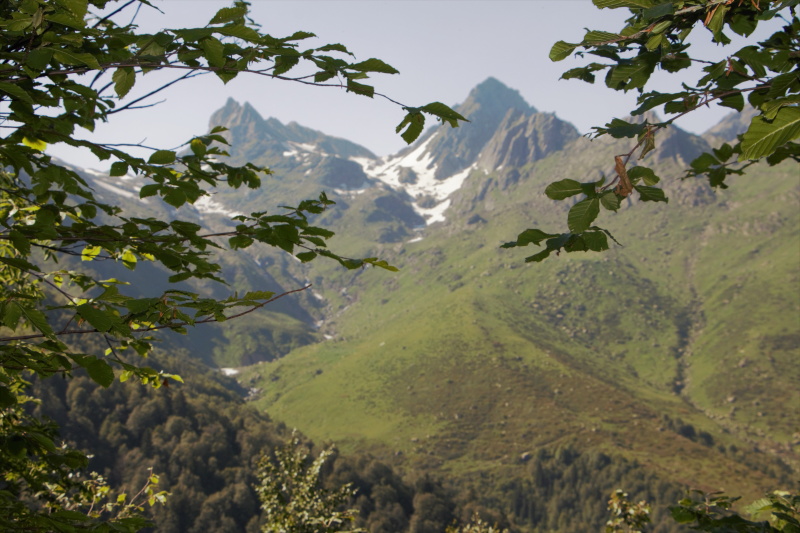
492 97
235 114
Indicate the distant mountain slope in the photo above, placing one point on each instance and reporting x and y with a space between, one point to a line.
676 351
730 126
468 358
503 130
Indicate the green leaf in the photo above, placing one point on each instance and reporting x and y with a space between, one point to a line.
284 64
19 263
305 257
36 144
723 153
129 259
561 50
149 190
582 214
682 515
124 79
240 32
651 194
643 173
762 138
374 65
37 319
632 74
198 147
656 41
631 4
100 371
141 305
717 21
650 100
374 261
90 252
527 237
658 11
703 162
17 92
99 319
565 188
7 398
175 197
619 128
538 258
360 88
229 14
258 295
39 58
11 314
443 113
191 35
68 57
240 241
335 47
414 122
119 168
20 242
162 157
75 7
734 101
770 108
214 51
610 201
594 37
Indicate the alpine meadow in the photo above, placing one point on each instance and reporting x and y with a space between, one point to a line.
178 330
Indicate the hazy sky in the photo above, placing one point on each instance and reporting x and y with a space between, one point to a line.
441 48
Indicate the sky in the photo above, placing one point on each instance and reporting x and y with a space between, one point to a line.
442 48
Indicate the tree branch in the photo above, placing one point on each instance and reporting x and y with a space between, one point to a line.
155 328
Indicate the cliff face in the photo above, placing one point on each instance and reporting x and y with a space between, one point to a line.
523 138
253 138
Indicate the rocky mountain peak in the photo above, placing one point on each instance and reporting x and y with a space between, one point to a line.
233 114
252 137
492 99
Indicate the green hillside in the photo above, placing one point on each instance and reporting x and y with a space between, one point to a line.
531 390
675 350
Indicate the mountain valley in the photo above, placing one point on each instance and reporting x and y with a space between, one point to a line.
673 354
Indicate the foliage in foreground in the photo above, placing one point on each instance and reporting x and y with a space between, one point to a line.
778 512
67 65
293 498
766 74
34 465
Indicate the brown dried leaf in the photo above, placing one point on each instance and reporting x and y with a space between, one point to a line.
624 188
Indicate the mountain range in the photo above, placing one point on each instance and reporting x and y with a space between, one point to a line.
675 351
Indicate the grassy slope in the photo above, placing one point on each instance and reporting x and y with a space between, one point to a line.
468 358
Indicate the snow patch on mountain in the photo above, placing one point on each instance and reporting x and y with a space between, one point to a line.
126 186
208 206
415 173
303 151
117 190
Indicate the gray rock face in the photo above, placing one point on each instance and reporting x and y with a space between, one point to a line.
251 136
341 173
729 127
523 138
485 107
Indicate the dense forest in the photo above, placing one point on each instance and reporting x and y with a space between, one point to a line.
204 440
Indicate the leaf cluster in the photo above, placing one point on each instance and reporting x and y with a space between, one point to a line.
43 487
713 512
67 65
293 498
765 74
